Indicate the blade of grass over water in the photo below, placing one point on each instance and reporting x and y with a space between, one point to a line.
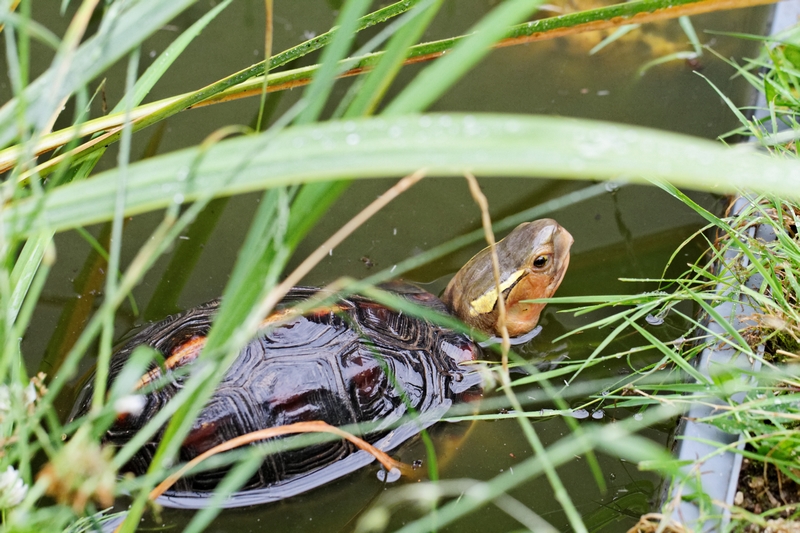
34 29
669 352
317 93
371 90
111 286
166 58
442 144
431 83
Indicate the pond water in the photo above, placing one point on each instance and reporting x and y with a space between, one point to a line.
622 233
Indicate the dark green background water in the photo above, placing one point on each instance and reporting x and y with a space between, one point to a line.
627 233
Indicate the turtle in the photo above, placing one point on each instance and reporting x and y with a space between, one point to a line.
351 363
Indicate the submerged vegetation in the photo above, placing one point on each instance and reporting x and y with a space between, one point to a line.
56 476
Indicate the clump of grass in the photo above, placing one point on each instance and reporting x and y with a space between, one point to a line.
761 406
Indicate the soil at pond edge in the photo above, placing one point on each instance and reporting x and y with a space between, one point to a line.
762 489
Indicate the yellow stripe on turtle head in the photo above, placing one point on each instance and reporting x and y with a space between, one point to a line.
485 303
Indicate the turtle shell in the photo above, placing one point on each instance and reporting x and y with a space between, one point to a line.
349 364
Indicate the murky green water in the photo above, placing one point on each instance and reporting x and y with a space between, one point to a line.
627 233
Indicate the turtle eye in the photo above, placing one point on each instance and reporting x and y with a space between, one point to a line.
540 261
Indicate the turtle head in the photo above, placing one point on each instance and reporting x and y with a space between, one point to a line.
533 259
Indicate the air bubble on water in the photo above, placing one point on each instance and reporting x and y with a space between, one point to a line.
353 139
445 121
654 320
580 414
390 477
638 416
612 186
178 198
425 121
598 415
152 53
183 174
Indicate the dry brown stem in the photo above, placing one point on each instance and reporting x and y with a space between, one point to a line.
486 220
316 426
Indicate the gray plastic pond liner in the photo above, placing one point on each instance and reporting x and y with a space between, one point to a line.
700 444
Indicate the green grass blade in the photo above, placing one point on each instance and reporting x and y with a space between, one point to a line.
378 80
444 145
431 83
740 342
618 34
317 93
115 248
36 30
233 481
25 269
688 29
160 66
674 356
